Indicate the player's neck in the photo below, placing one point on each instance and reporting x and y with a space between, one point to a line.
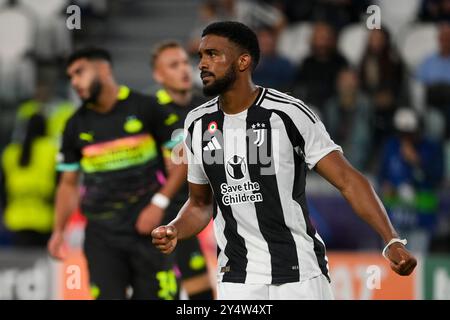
239 98
107 97
181 98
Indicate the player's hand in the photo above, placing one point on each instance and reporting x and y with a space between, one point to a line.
149 218
402 261
55 246
165 238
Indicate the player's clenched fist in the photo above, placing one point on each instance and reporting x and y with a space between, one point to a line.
165 238
402 261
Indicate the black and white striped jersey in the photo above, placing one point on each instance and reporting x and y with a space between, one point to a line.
256 163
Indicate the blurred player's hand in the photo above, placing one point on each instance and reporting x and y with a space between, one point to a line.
402 261
55 246
149 218
165 238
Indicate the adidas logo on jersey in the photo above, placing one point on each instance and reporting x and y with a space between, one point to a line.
212 145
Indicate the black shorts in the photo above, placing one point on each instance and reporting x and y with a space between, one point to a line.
190 259
119 262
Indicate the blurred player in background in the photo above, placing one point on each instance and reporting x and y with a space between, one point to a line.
172 70
115 140
29 186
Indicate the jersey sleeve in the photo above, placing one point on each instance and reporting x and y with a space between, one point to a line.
192 147
69 155
310 136
318 144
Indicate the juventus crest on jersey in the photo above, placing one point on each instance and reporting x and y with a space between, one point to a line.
256 162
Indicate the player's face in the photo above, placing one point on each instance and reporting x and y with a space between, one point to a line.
172 69
323 41
377 41
84 78
218 58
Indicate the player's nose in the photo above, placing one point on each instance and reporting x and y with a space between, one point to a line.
202 65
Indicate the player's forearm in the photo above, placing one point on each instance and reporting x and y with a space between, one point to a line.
192 219
65 204
175 180
365 202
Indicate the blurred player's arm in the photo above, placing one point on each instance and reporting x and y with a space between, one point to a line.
164 126
176 174
359 193
67 192
66 203
153 214
192 218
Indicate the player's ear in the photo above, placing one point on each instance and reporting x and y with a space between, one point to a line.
244 62
103 68
157 76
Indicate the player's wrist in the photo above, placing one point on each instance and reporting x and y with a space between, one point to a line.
160 200
174 229
391 242
57 230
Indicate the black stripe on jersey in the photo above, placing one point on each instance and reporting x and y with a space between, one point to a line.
292 99
260 97
214 208
191 135
281 244
214 217
294 135
235 250
298 195
270 97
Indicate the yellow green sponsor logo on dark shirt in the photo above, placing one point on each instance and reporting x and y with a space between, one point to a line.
119 154
133 125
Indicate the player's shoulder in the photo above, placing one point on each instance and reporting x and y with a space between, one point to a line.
204 108
282 97
289 105
74 123
77 116
198 112
136 96
146 104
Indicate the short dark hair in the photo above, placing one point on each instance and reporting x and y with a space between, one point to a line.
238 33
89 53
160 47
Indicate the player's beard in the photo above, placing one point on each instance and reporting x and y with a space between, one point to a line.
221 85
94 91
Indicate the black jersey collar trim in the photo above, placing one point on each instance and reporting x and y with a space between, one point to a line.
260 97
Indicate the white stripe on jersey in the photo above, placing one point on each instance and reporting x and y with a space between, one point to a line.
258 256
219 231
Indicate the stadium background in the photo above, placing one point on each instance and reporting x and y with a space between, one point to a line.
35 39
